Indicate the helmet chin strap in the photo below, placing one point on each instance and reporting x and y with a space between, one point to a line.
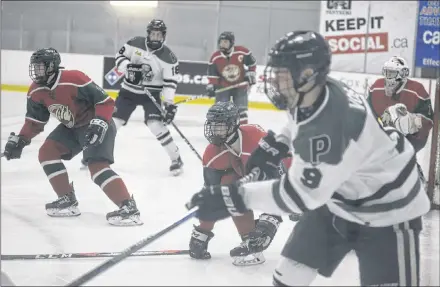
51 79
232 139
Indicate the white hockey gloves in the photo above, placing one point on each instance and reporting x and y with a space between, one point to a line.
404 121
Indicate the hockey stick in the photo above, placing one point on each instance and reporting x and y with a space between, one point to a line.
242 84
130 250
91 255
172 123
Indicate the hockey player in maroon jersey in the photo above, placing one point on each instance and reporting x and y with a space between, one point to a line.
224 162
85 112
230 65
402 103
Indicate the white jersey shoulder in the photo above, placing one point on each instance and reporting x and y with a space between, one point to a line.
162 66
344 159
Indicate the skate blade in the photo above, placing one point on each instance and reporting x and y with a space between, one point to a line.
66 212
176 172
249 260
132 220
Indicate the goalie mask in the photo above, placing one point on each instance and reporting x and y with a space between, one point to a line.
396 73
299 62
156 34
222 122
44 66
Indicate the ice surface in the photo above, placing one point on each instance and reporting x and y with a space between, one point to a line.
143 164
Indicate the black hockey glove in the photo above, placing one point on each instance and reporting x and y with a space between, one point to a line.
170 112
265 229
267 156
134 74
210 90
250 77
218 202
14 146
95 133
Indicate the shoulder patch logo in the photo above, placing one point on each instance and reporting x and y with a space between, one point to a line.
173 57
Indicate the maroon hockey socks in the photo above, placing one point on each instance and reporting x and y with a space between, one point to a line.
50 159
109 181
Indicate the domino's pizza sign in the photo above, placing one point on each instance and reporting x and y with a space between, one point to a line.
428 35
113 76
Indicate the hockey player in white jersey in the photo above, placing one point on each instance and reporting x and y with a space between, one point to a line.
355 182
148 63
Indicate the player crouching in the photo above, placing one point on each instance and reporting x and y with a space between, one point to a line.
224 162
85 112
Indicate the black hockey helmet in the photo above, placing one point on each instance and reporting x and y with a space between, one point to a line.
298 62
156 25
44 66
222 122
226 36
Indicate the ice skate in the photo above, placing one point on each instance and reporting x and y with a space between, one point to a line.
64 206
176 167
127 215
243 256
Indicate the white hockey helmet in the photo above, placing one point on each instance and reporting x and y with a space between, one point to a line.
396 73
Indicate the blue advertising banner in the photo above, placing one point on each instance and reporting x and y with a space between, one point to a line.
428 35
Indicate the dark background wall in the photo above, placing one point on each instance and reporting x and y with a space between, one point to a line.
96 27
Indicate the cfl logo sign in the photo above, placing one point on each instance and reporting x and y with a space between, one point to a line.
228 201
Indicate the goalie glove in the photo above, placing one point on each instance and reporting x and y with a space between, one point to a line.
398 117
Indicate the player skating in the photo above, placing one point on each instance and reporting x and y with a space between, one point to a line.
229 65
224 162
85 112
150 64
355 181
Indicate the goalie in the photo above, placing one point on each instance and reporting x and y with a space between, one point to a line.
402 103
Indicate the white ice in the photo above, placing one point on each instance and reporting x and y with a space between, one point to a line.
143 164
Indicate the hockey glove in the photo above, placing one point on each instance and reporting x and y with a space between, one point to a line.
14 146
265 229
210 90
218 202
398 117
134 74
250 77
267 156
95 133
170 112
